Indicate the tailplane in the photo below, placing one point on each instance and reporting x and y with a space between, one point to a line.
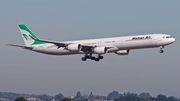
28 36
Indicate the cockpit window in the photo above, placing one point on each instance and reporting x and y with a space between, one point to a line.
168 36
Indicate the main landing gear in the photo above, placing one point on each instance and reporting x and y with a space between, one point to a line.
91 57
161 49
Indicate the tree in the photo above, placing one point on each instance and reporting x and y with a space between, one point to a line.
66 99
59 96
78 95
153 99
44 97
161 97
171 98
145 95
20 99
85 100
91 96
113 95
130 97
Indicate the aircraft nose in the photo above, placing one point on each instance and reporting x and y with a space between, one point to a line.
173 39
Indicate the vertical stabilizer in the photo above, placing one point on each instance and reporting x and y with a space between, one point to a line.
28 36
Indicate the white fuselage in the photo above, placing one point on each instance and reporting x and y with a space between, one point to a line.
118 43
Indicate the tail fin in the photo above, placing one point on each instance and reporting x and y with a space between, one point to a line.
28 36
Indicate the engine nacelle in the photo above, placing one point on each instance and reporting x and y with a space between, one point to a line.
73 47
122 52
100 50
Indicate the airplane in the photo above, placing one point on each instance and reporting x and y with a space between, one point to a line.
117 45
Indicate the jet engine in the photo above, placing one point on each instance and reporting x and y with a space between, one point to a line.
100 50
73 47
122 52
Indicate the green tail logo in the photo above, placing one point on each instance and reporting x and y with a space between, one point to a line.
25 36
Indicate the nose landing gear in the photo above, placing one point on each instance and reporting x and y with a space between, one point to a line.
161 49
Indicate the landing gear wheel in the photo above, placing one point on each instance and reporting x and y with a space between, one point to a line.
89 56
100 57
96 59
92 58
83 59
161 51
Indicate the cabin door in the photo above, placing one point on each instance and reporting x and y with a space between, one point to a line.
120 41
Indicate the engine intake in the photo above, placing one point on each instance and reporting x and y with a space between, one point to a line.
73 47
100 50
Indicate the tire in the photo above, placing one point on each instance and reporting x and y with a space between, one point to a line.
83 59
87 57
96 59
92 58
161 51
100 57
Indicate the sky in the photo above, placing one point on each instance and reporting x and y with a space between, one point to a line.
145 70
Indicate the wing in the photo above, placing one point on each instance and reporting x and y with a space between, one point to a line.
84 48
60 44
21 46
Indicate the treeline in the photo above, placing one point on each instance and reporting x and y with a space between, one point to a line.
113 96
12 96
91 96
135 97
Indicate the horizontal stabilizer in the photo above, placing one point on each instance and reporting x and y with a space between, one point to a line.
21 46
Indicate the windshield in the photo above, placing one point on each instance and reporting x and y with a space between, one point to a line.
168 36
